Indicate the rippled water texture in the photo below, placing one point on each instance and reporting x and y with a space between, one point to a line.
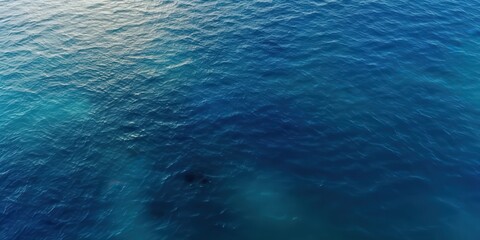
234 120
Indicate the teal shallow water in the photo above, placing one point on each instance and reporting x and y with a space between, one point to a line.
239 120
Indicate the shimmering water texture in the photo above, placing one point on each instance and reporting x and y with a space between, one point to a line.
239 120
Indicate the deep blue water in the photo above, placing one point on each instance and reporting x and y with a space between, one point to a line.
235 120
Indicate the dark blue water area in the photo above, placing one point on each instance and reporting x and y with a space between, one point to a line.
285 120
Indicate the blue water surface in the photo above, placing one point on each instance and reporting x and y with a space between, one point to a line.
239 120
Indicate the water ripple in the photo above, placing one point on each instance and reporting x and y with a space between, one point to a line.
239 120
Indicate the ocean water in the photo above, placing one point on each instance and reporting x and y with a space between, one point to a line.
236 120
